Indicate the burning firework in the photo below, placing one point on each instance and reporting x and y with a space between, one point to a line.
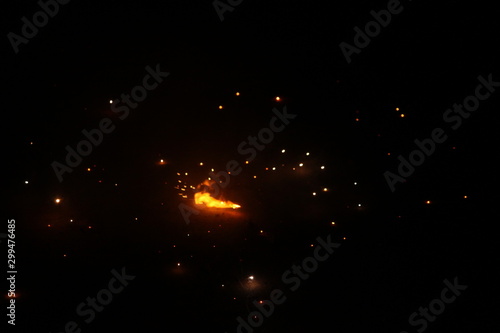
203 196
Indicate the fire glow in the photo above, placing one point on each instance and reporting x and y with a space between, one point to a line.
203 197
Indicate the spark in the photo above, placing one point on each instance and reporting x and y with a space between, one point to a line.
283 151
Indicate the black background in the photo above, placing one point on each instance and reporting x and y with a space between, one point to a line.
398 249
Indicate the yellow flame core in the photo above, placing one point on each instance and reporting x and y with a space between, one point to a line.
205 198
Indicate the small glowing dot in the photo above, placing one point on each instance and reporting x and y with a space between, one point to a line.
314 193
48 225
65 255
301 164
237 93
89 169
402 115
325 189
161 161
283 150
254 177
359 205
251 277
428 202
58 200
274 168
344 238
110 101
267 169
178 264
397 109
293 169
26 182
261 231
201 163
220 107
90 227
322 167
307 154
186 174
31 142
333 223
355 183
465 197
246 162
278 98
357 119
71 221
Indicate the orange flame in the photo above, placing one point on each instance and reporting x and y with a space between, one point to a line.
204 197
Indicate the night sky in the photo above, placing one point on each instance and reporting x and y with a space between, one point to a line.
129 204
